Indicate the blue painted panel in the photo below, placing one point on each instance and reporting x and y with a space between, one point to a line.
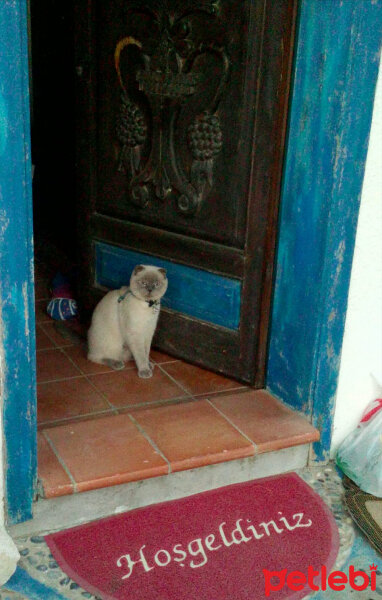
190 291
16 264
334 84
22 583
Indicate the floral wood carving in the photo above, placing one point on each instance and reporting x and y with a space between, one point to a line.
171 74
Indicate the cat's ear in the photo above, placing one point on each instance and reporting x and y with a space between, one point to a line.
138 269
163 271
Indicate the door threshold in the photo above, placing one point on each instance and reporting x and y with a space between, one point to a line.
71 510
107 464
145 442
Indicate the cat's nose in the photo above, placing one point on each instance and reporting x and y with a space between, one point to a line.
150 288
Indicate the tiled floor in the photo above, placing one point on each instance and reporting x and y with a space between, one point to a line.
99 427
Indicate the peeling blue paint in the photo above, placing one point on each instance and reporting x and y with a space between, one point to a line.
16 254
22 583
3 125
335 75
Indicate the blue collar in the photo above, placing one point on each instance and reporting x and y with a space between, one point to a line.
123 296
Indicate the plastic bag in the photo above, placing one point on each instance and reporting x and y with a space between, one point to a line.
360 454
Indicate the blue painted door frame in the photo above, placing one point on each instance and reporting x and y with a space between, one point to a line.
17 338
335 75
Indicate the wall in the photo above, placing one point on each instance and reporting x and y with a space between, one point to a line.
361 359
2 520
9 555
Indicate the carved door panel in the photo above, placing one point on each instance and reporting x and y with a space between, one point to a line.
181 120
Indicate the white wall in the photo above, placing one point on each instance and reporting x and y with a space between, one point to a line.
360 377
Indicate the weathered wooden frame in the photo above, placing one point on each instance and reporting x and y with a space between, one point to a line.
17 310
311 369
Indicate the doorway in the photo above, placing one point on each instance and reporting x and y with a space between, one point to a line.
181 130
197 191
313 76
217 246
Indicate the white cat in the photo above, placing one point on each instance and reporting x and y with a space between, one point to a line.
124 321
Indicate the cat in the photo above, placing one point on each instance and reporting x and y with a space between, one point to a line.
124 321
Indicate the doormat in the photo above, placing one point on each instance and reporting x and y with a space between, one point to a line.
240 541
366 511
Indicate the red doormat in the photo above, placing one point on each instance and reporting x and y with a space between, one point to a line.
218 545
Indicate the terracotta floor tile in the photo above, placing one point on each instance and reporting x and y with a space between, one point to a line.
266 421
53 364
106 451
51 329
125 388
69 398
161 357
78 355
197 380
43 342
79 418
212 395
58 341
193 434
54 479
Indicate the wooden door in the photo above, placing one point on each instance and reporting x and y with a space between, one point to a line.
181 121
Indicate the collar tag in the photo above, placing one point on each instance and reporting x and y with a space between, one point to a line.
155 305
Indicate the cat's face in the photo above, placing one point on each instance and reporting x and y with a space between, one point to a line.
148 282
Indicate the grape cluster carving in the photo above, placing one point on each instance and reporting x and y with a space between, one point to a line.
131 128
205 137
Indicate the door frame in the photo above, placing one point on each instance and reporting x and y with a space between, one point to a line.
17 310
18 394
335 76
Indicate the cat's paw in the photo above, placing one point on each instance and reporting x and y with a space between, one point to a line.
117 365
145 373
